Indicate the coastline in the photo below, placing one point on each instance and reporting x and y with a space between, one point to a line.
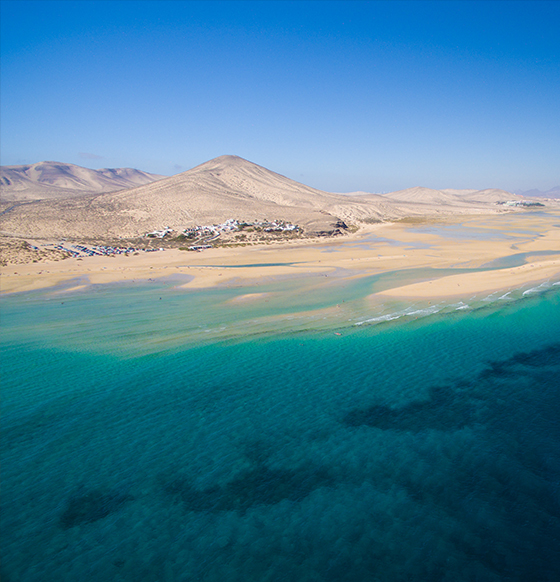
463 243
453 286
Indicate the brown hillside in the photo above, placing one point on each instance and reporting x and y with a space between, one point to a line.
227 187
47 180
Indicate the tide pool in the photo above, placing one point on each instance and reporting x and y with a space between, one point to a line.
149 433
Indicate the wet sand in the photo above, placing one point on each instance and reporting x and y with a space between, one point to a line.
465 243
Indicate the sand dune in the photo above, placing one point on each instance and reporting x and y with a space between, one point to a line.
47 180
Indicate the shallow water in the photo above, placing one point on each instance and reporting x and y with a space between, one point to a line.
515 227
517 259
195 438
467 232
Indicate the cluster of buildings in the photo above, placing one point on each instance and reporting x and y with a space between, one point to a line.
229 225
232 225
159 233
207 233
101 250
202 235
214 230
279 226
520 203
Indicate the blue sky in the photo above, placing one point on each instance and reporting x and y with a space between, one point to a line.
343 96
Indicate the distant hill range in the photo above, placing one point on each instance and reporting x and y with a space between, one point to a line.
552 193
222 188
56 180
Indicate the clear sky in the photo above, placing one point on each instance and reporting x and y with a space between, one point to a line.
342 96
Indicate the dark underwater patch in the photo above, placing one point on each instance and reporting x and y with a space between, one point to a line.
91 506
453 407
257 486
549 356
443 411
524 363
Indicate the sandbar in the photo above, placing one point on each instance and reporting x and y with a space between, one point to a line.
463 243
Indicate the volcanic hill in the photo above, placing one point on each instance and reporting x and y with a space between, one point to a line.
222 188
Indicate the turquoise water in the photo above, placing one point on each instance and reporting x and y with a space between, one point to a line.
150 433
517 259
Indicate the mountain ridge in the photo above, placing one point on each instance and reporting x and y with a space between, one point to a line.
49 179
230 187
536 193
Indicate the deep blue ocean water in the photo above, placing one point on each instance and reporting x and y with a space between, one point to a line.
151 433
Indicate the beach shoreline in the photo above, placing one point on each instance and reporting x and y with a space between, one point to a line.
465 243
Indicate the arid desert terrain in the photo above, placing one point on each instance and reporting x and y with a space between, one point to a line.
69 223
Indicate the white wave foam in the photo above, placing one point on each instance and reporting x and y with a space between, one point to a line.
537 289
408 312
388 317
426 311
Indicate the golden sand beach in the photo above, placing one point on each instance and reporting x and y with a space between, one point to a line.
463 242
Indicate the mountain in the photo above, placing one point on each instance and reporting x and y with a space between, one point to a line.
449 196
228 187
552 193
420 195
225 187
47 180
